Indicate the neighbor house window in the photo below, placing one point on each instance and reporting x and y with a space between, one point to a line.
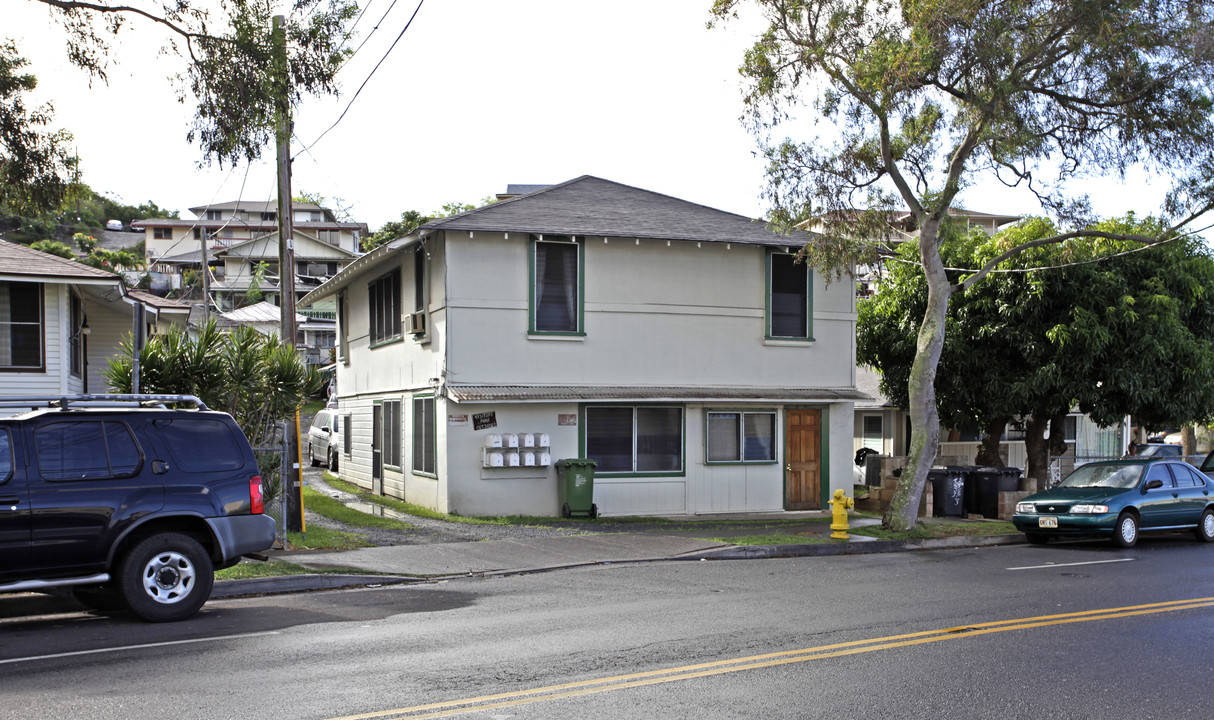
742 436
874 433
20 326
214 215
392 433
424 444
640 439
384 305
556 300
789 301
165 233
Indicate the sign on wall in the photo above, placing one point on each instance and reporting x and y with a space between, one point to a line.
566 420
484 421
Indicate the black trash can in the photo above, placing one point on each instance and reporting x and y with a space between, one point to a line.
948 490
982 491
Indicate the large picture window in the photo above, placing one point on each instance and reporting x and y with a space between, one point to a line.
556 302
742 436
423 436
640 439
383 299
20 326
789 301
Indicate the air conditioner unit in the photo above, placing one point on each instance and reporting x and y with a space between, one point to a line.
415 323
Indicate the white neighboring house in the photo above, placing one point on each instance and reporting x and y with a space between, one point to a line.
314 339
61 321
678 346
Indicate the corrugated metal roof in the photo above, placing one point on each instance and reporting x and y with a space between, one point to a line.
593 206
533 393
262 312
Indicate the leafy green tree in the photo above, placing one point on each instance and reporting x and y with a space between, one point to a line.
54 247
35 164
915 100
233 74
86 243
409 221
1051 330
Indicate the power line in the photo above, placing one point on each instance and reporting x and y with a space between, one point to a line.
369 76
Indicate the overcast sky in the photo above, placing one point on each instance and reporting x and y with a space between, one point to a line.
477 94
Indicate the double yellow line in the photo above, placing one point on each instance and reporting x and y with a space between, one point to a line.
755 662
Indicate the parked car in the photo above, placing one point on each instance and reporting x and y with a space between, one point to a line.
1119 499
323 440
1160 449
113 225
125 503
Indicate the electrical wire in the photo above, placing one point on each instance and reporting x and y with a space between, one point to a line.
368 78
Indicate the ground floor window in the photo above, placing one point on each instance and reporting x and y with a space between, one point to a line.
392 433
640 439
423 436
735 436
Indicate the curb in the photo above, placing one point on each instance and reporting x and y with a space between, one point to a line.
755 552
302 583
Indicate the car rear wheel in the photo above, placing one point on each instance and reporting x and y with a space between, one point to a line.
333 460
1125 533
312 456
1205 528
166 577
1037 538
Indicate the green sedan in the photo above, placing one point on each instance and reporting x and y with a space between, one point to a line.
1120 499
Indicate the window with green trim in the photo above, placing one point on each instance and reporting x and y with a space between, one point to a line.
635 439
383 300
424 445
556 298
741 436
391 449
789 298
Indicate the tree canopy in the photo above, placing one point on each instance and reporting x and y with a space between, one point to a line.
910 102
1050 331
35 165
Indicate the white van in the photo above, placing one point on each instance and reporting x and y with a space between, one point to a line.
323 439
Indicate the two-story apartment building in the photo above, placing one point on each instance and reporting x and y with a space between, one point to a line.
680 347
243 245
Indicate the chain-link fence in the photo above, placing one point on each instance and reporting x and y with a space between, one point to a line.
272 462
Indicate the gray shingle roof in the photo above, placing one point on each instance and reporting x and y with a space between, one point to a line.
18 260
592 206
490 393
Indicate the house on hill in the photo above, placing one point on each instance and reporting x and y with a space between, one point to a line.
681 348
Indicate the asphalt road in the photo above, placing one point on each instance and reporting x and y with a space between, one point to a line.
1006 632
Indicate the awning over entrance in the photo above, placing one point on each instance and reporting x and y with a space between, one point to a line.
595 393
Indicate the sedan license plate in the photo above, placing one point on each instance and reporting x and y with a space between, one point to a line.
1047 522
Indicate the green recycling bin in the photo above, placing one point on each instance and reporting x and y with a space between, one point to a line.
575 478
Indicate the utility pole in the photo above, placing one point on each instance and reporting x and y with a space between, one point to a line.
293 482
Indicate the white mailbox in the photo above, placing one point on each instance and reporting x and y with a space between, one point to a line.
541 440
511 459
529 459
493 441
493 459
526 440
544 458
509 440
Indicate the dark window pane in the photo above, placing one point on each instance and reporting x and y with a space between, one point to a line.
71 450
124 453
424 449
789 297
760 434
659 439
609 438
6 455
201 445
25 302
556 287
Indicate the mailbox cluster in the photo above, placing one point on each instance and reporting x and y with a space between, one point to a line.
517 450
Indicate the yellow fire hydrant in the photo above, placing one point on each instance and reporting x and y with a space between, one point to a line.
839 506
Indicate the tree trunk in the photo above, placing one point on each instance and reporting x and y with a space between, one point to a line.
1188 440
1058 435
903 512
1038 453
988 451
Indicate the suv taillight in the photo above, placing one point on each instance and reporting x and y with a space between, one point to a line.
259 506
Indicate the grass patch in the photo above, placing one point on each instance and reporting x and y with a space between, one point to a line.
333 509
310 407
251 569
776 539
321 538
935 531
417 510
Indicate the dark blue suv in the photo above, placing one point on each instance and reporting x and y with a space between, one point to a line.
126 502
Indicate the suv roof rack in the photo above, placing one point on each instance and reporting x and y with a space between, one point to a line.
64 402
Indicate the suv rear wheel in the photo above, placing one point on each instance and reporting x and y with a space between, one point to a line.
166 577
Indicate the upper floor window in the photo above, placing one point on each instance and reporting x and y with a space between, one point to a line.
214 215
20 326
343 347
383 300
556 272
789 299
419 278
269 217
163 233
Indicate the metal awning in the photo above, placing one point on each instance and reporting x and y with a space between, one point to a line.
598 393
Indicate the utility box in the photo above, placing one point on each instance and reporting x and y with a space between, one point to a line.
575 487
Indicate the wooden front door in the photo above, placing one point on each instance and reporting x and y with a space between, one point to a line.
802 455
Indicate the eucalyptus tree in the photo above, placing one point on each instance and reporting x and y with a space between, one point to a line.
908 103
35 161
1051 330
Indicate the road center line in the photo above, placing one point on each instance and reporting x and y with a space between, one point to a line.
721 667
1058 565
168 643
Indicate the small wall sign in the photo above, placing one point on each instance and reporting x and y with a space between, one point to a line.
566 420
484 421
457 419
